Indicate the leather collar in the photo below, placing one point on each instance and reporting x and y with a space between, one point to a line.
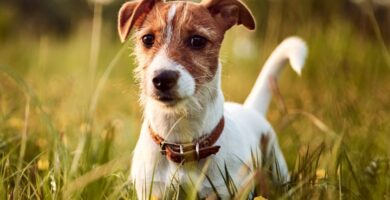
198 149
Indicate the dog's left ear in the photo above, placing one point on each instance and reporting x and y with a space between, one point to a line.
229 13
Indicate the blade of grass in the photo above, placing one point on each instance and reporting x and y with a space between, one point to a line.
152 181
225 180
24 133
36 103
95 174
339 177
363 190
213 187
377 31
103 79
95 41
201 179
230 181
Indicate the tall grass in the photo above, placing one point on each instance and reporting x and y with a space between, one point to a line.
69 114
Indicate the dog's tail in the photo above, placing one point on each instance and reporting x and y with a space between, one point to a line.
293 49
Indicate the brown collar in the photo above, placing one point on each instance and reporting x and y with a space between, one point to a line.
197 150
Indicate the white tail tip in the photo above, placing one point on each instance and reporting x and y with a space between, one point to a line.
298 53
293 50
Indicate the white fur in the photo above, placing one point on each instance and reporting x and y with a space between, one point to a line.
292 49
171 15
186 84
197 115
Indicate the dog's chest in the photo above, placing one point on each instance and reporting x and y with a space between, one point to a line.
150 166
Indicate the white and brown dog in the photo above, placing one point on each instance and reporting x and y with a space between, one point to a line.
189 132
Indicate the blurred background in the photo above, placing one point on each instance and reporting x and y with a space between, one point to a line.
69 112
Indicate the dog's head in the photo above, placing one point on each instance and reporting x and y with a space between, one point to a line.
177 43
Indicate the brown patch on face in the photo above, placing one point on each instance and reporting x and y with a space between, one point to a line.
154 24
191 20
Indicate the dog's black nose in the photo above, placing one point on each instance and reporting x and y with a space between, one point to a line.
165 80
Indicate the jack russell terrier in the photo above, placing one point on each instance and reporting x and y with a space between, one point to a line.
189 134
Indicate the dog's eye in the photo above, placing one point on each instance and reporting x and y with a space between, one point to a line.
148 40
197 42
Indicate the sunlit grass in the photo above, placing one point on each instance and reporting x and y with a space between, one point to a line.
60 137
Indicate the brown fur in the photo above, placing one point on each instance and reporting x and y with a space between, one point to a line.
132 14
209 19
201 64
230 12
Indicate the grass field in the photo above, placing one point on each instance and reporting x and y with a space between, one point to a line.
69 113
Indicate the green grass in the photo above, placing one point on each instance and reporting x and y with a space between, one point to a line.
67 134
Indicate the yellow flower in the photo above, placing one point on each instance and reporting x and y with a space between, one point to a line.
320 174
85 127
260 198
43 163
154 198
41 142
15 123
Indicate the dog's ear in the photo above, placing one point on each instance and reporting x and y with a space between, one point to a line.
229 13
132 14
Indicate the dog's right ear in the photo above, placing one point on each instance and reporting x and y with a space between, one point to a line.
133 14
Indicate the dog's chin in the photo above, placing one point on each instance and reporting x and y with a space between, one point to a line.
165 100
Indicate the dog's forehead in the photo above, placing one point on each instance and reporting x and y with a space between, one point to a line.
182 15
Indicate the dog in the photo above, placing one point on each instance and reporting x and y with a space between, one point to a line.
189 134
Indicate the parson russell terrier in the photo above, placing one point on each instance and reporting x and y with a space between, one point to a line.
189 132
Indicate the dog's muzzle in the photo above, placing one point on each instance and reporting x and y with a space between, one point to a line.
164 83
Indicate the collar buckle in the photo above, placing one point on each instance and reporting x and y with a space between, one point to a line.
197 151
